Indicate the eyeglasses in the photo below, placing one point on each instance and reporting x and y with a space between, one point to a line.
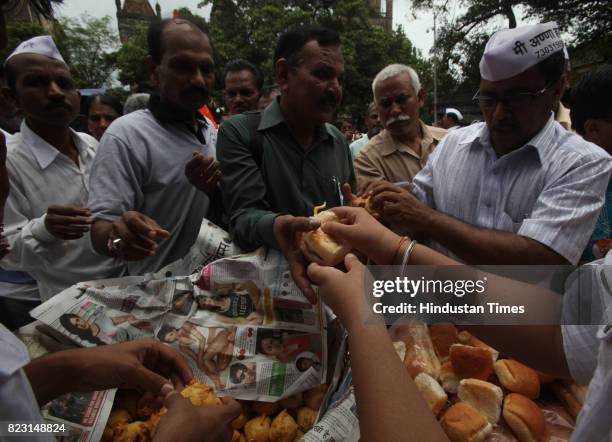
513 100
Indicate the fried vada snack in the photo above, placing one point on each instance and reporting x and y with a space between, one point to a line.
133 432
462 423
292 402
317 246
314 397
117 418
258 429
265 408
524 417
518 378
200 394
363 201
283 428
306 418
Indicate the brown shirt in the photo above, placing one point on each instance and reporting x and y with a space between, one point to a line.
385 158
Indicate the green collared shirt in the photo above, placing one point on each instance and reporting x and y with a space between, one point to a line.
288 179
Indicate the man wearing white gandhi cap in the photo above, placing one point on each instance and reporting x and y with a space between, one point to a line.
451 119
48 163
517 189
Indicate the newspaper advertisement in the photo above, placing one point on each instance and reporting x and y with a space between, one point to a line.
82 414
241 323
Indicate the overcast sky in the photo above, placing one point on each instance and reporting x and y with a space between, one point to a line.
418 30
415 29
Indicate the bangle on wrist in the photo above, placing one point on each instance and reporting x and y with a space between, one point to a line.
400 243
407 254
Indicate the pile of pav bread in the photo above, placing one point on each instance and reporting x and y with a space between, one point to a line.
284 421
469 387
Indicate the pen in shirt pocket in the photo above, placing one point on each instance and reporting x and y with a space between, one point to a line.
338 189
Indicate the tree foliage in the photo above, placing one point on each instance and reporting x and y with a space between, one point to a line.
19 31
88 46
131 59
250 29
461 41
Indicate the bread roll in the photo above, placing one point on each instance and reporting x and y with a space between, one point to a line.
449 379
518 378
483 396
570 402
442 337
471 362
467 338
524 417
317 246
462 423
432 392
420 355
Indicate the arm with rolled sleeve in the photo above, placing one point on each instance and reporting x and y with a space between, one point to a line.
566 211
32 246
116 179
423 182
115 183
244 191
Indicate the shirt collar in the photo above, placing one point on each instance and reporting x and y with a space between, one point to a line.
44 152
168 114
390 144
273 116
542 142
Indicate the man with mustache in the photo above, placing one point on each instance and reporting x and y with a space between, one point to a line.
279 164
242 86
46 215
518 189
403 147
373 124
155 177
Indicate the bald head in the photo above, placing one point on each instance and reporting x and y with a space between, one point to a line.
157 36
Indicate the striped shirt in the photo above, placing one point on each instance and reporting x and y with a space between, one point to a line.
588 348
550 190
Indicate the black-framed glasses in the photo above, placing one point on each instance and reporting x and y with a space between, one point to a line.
513 100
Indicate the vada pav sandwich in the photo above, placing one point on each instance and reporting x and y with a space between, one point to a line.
317 246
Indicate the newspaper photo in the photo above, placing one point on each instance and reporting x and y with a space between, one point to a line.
82 414
240 322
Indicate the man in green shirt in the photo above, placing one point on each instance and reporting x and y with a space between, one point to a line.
279 164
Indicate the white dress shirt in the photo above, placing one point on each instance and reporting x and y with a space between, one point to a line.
16 397
588 348
40 176
550 190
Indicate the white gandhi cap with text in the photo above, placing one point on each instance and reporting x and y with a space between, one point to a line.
510 52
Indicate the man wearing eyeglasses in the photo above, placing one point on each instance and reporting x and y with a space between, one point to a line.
402 148
518 189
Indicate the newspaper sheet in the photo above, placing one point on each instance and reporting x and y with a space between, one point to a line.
241 322
83 414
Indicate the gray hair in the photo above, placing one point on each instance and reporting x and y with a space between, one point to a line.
393 70
135 102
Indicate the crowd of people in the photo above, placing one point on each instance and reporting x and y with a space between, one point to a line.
129 198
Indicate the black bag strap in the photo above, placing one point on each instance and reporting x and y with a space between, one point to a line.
256 138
